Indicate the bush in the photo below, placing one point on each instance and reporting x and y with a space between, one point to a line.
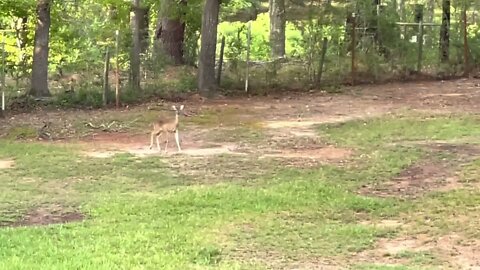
81 98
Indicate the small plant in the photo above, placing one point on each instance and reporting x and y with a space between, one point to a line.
81 98
208 256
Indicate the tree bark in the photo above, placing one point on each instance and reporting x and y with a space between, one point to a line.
208 43
39 87
277 28
401 9
170 32
136 46
430 11
445 32
144 23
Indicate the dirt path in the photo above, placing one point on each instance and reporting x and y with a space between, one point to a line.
282 117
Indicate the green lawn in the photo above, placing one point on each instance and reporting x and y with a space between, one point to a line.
143 214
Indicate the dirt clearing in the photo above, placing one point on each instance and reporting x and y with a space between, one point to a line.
46 215
452 250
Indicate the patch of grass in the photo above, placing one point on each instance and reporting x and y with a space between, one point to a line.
418 258
385 267
130 202
242 134
21 132
226 117
319 238
142 215
470 173
225 168
208 256
391 129
330 230
46 174
133 121
447 212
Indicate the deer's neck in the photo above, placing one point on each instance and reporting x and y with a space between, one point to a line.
176 118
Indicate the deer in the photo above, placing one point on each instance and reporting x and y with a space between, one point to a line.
166 125
71 80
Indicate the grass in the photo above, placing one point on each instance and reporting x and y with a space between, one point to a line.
392 129
143 214
21 132
422 257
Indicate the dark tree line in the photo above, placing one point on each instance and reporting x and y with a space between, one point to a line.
170 38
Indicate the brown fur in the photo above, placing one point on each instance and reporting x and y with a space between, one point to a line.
165 126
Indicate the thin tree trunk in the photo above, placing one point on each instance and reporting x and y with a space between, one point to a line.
401 10
206 64
144 24
430 11
170 32
445 31
39 87
22 37
21 33
277 28
136 46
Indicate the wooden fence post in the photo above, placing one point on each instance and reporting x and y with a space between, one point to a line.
354 26
249 40
106 85
117 70
220 62
322 60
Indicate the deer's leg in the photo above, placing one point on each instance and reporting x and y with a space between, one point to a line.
177 139
166 143
158 142
151 139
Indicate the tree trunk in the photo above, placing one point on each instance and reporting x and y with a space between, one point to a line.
136 46
401 9
444 31
39 87
144 23
21 33
208 43
430 11
170 32
277 28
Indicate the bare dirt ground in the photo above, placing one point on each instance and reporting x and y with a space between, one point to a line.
289 121
452 249
46 216
293 114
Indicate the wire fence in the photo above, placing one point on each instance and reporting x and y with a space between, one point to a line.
319 55
360 54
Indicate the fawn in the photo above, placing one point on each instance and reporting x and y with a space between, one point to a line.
165 125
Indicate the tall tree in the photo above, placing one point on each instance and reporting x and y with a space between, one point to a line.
208 43
401 9
39 82
170 32
430 11
277 27
445 31
136 19
144 24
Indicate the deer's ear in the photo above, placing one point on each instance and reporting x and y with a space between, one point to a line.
173 107
181 107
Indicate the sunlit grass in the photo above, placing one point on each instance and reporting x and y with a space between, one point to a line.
142 214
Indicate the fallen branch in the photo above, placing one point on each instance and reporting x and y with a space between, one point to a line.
103 127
